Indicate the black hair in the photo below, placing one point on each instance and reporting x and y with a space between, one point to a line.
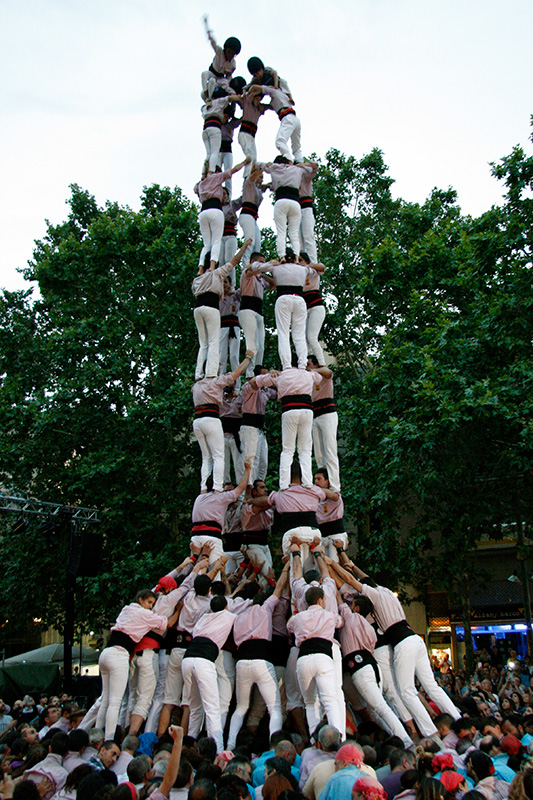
296 471
257 371
218 588
254 64
201 585
237 84
59 744
144 594
282 160
218 603
314 360
311 575
77 739
305 257
233 44
366 605
207 747
313 595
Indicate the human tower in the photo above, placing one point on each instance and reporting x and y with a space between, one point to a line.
223 623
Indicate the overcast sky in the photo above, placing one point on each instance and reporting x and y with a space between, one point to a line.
106 94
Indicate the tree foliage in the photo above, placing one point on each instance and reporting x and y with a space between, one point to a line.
430 320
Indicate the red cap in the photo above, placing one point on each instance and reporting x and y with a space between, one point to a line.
166 582
451 780
370 788
442 761
350 754
511 745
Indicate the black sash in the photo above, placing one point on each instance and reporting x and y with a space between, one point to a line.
211 299
254 420
212 202
207 527
317 645
232 541
332 527
229 321
253 303
324 406
254 649
212 122
296 519
215 73
287 193
256 537
359 659
280 650
284 112
313 298
248 127
306 202
398 632
202 647
225 146
229 229
250 208
290 402
120 639
207 410
288 289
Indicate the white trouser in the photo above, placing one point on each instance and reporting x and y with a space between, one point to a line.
250 230
383 656
255 448
290 128
365 682
212 138
291 315
232 453
249 148
337 663
228 248
262 556
235 559
325 447
296 427
143 680
329 548
210 82
315 320
208 325
211 222
208 431
225 669
114 663
200 683
316 674
261 673
228 345
225 162
287 212
306 534
307 234
292 687
410 661
152 719
216 552
174 678
253 327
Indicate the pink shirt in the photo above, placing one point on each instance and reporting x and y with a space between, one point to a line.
212 506
250 111
290 274
254 400
221 64
280 99
211 390
322 389
314 623
212 280
284 174
297 498
232 521
357 633
232 407
387 608
136 621
312 282
290 381
330 510
230 210
216 109
194 607
256 522
212 185
215 625
251 192
306 186
255 622
253 285
279 617
230 303
299 587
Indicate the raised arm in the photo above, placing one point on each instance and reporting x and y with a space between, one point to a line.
296 558
237 167
209 33
171 772
243 483
282 581
347 576
322 566
240 252
241 368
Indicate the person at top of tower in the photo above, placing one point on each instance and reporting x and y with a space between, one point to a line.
223 65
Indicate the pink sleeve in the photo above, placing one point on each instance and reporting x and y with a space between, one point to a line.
265 380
